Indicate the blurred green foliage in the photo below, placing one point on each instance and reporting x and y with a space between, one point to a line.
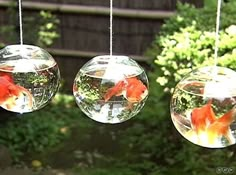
187 41
38 28
210 3
37 131
47 32
204 18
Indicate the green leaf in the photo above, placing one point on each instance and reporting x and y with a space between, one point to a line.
210 3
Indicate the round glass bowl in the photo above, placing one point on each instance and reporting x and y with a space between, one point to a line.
29 78
111 89
203 107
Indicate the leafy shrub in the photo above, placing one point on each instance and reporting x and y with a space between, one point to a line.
40 130
191 48
204 18
182 47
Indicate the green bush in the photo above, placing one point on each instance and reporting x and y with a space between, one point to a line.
41 130
189 43
204 18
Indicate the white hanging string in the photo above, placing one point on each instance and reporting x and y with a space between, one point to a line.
20 22
111 26
217 35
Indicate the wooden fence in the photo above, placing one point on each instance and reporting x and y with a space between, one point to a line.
84 27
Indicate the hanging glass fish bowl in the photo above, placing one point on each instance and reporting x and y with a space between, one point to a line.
29 78
111 89
203 107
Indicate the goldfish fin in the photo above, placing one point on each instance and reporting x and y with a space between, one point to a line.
212 136
10 103
221 128
202 117
114 91
228 117
130 106
226 120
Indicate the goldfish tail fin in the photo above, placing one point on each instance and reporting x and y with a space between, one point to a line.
10 104
114 91
228 117
212 137
130 106
108 94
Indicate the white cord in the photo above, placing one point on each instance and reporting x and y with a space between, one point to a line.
217 35
111 26
20 22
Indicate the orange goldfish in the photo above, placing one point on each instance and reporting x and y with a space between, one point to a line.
202 117
221 127
208 129
131 88
10 92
